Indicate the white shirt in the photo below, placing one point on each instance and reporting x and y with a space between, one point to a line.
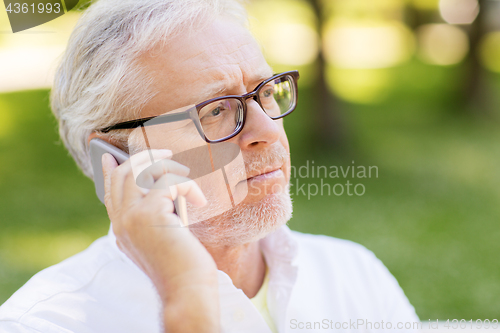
316 283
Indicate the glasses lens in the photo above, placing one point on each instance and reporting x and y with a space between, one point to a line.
221 118
278 96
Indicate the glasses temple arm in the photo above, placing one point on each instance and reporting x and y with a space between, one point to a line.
150 121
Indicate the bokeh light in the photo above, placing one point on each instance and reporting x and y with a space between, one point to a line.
286 31
359 53
442 44
361 86
292 44
459 11
19 68
489 51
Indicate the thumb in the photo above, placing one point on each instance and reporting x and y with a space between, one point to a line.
108 165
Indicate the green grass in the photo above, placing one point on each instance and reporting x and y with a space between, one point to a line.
431 216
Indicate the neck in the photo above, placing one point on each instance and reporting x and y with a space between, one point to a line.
244 264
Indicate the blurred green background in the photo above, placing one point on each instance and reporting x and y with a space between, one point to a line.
412 87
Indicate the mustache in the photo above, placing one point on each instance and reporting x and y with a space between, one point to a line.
260 162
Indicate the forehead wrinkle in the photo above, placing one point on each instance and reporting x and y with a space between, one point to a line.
252 74
232 76
192 57
220 80
219 42
244 56
235 66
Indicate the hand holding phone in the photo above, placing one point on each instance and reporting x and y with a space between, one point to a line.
147 232
99 147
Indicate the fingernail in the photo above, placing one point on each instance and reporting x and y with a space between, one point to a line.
104 158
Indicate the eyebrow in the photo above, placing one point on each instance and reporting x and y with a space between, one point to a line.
220 89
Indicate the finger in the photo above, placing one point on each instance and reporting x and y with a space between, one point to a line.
120 174
108 165
131 192
149 175
171 185
145 158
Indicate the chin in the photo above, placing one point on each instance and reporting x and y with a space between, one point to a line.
246 222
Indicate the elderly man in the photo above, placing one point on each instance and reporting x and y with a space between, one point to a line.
239 268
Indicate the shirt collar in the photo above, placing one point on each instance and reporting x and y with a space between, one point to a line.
280 251
277 247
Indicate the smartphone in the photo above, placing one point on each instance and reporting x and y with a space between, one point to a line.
99 147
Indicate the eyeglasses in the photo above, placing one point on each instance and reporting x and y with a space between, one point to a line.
222 118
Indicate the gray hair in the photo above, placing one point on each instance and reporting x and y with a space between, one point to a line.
99 81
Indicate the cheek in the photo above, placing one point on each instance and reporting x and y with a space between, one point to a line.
284 142
283 138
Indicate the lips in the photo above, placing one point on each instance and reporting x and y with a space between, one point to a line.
267 173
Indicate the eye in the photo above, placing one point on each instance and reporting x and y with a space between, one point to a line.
215 112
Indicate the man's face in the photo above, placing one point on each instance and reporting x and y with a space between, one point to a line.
223 59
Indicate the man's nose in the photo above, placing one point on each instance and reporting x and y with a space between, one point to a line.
259 130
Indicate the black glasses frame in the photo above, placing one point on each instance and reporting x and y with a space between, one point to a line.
193 112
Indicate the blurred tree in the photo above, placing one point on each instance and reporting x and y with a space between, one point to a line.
474 89
415 17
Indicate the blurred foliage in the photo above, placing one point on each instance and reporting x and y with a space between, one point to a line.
402 96
490 51
48 207
432 215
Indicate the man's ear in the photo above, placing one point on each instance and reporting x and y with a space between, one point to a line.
106 138
95 135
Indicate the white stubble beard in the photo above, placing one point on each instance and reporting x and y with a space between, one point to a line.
246 223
